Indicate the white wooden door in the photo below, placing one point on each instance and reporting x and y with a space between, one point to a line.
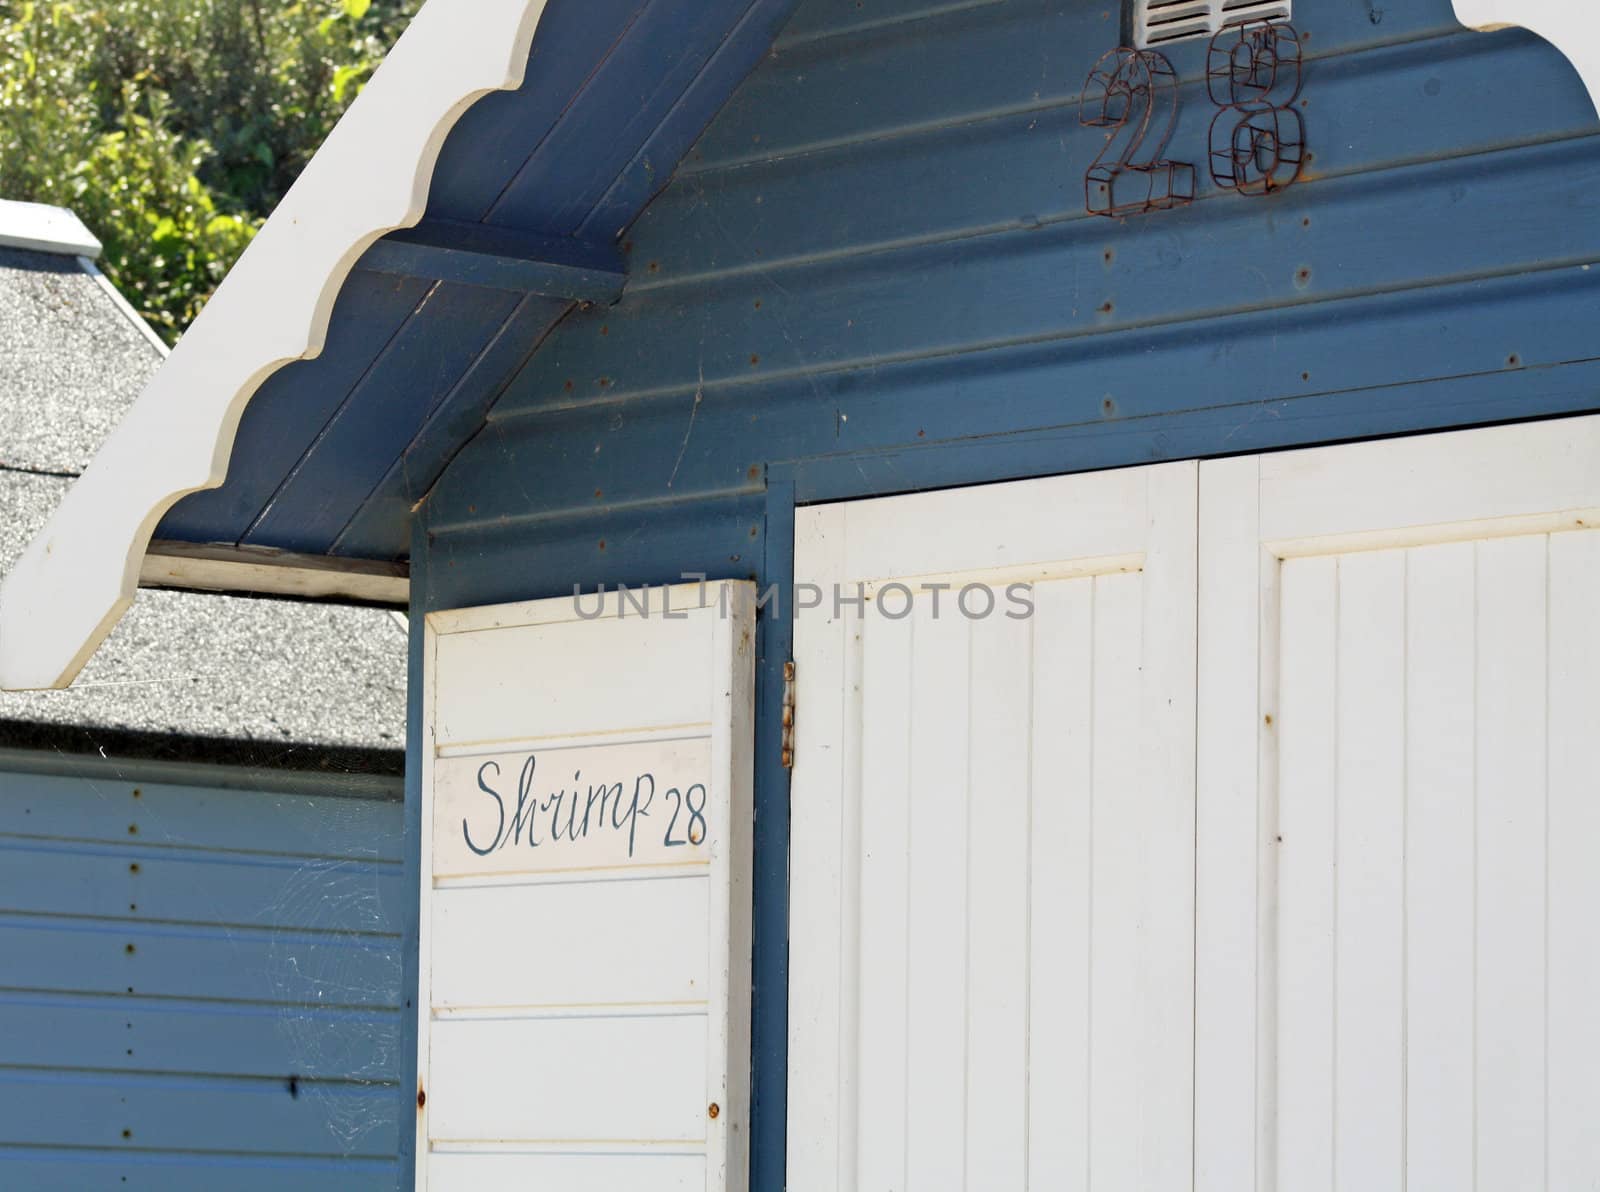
583 1012
1398 958
991 938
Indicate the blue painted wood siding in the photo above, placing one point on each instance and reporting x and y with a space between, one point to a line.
874 274
199 987
876 259
334 452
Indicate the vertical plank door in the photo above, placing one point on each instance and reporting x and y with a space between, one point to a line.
585 931
991 939
1398 958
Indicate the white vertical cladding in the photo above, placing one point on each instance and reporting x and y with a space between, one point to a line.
585 928
1232 828
991 941
1573 826
1395 789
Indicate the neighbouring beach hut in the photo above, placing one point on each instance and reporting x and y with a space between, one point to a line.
200 881
1000 591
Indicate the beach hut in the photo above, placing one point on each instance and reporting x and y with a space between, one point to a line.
1000 591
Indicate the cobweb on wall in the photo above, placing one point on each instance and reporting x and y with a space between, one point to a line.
336 981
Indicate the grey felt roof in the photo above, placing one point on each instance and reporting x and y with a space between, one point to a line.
71 363
287 679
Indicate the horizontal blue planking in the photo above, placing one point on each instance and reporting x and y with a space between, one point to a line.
1325 240
201 987
974 62
174 1035
40 1170
840 89
1441 403
873 274
45 953
833 18
100 807
941 184
1104 385
841 94
723 539
74 1109
626 458
1332 335
1487 329
279 892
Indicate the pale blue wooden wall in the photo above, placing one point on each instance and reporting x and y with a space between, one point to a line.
199 986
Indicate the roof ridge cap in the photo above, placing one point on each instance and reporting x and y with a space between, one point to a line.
43 227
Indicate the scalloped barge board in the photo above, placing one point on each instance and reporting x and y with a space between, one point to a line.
370 177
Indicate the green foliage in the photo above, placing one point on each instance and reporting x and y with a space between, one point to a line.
173 127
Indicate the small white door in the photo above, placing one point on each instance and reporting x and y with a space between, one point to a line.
991 949
1398 977
583 1010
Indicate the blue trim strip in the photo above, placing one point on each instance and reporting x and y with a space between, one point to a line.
411 861
769 1050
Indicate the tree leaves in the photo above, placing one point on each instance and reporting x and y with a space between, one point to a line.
173 127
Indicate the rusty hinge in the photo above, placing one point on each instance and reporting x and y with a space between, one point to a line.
788 716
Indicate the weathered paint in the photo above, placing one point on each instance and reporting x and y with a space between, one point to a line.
873 274
203 982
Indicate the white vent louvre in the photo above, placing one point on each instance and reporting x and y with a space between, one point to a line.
1157 22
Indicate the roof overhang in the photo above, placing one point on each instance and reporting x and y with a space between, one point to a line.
371 177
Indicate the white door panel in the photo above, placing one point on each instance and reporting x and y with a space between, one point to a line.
1399 680
1329 928
993 841
584 947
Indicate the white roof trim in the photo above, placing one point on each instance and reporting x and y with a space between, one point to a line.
43 228
1572 26
371 176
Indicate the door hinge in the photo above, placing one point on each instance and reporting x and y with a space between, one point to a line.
787 744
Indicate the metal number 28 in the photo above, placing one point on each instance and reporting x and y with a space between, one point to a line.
1135 94
1258 140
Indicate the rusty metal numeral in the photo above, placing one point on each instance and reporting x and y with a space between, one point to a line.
1134 93
1258 139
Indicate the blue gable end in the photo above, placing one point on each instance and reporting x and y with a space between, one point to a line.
335 451
873 273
